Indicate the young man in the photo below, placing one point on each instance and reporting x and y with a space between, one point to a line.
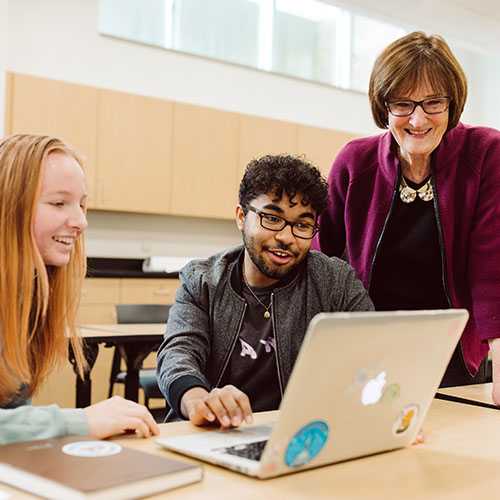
240 316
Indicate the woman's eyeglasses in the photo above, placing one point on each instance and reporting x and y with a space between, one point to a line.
405 107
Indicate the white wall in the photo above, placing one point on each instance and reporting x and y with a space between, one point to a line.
483 77
483 104
112 234
58 39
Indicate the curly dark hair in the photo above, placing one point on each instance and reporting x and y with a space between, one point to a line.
284 173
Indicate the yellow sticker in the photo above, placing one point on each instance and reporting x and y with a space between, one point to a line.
405 420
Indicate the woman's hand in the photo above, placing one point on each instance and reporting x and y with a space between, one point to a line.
117 415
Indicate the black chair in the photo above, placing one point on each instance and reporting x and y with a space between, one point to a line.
139 313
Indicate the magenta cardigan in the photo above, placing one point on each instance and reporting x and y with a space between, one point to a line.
362 183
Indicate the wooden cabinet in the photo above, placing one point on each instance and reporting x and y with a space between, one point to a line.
148 291
100 295
59 388
97 305
204 162
41 106
321 145
155 156
263 136
134 153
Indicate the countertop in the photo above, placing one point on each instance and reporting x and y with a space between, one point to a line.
100 267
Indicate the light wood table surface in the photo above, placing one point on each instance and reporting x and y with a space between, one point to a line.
478 392
460 459
122 330
477 395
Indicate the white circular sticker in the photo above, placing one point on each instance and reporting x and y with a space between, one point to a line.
91 449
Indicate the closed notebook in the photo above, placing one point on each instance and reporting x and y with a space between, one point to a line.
71 468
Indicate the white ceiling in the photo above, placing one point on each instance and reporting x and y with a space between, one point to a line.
472 23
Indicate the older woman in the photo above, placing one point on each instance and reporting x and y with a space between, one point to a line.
418 207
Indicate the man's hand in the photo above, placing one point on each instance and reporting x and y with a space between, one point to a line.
227 406
116 415
495 358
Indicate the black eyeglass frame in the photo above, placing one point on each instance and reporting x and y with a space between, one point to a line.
292 225
419 103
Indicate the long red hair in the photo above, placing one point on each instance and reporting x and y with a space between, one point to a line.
38 303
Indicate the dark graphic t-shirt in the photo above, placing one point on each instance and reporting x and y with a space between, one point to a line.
252 367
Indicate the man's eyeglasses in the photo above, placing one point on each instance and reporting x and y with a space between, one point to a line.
277 223
405 107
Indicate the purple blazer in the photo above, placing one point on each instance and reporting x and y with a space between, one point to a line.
362 182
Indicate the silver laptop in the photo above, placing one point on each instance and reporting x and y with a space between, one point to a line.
362 384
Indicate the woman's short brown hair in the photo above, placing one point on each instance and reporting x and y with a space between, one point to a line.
411 61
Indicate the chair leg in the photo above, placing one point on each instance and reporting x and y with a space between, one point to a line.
111 387
115 369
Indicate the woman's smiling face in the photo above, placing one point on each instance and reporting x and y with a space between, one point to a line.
60 211
418 134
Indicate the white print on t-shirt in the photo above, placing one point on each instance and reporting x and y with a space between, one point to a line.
247 349
268 343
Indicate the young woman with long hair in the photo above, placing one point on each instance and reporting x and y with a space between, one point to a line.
42 267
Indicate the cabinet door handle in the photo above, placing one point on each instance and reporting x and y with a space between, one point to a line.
162 292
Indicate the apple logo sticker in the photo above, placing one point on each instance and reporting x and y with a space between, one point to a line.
372 391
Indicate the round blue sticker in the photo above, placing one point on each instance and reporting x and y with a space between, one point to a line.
306 443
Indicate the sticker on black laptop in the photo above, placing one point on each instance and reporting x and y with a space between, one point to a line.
391 394
91 449
306 444
405 420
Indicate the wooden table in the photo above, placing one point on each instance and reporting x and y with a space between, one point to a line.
459 460
135 342
479 395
